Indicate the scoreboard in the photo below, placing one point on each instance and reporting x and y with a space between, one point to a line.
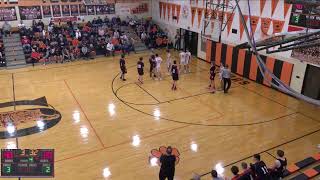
303 16
27 163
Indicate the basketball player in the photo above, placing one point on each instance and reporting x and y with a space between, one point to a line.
188 60
259 168
123 67
158 67
182 60
226 75
140 66
167 165
169 61
280 165
212 76
152 62
175 75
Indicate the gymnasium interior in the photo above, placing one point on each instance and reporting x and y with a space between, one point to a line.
71 110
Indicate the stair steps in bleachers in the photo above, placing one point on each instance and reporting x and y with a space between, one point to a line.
15 57
138 45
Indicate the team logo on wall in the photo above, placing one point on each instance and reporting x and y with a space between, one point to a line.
27 121
185 11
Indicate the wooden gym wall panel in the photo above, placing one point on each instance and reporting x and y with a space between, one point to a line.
270 65
244 63
208 50
240 61
247 64
235 60
229 55
277 69
286 73
218 53
253 68
259 78
223 53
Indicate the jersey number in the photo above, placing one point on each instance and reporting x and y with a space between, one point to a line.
264 169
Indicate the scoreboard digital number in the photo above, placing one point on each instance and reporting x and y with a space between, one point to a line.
27 163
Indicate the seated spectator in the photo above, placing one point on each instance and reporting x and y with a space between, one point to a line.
92 51
85 51
259 168
35 56
279 166
235 172
247 172
6 29
214 175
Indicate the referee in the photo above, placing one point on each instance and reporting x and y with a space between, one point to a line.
226 75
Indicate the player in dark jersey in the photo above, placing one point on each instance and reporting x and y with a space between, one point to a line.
168 162
140 66
123 67
212 86
175 75
152 61
260 169
280 166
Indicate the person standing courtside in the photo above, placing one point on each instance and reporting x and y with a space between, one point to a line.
140 66
167 165
175 75
226 75
188 60
182 60
123 67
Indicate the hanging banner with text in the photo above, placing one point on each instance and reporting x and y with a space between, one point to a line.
8 14
30 12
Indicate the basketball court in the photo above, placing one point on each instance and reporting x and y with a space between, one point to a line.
108 127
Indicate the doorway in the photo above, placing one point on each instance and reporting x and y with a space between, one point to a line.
189 41
311 83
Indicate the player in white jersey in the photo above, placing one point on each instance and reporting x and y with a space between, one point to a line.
182 60
169 61
188 60
158 66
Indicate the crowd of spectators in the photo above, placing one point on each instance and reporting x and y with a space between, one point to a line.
310 54
59 42
2 54
256 170
152 35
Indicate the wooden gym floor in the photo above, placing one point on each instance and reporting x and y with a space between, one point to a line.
111 126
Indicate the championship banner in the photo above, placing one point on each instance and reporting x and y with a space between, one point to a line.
193 14
65 10
46 10
173 10
30 12
229 21
82 9
199 10
241 25
169 8
178 12
105 9
265 25
277 26
56 10
164 10
254 22
160 9
65 19
8 14
90 10
74 10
